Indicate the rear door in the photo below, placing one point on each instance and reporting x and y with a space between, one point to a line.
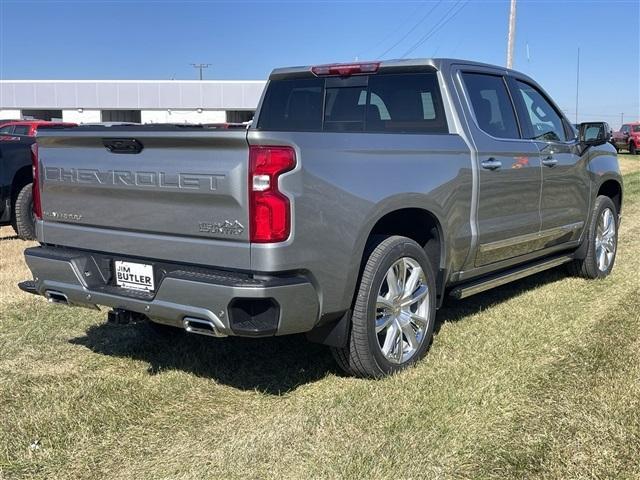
565 184
509 169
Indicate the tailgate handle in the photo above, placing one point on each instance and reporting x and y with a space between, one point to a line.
122 145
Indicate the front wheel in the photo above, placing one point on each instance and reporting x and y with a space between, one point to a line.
632 148
602 239
394 311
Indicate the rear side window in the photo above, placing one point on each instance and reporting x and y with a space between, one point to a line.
382 103
21 129
491 105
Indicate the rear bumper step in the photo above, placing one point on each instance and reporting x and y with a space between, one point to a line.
28 286
224 303
467 289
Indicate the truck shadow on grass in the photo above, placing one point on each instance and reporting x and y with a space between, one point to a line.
274 366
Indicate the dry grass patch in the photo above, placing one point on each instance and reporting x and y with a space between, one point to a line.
537 379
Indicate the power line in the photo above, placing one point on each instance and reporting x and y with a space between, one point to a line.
410 31
446 18
393 32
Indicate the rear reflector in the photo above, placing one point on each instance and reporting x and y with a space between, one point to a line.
345 69
269 209
37 205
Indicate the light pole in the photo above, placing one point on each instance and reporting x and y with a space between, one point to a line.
200 66
512 33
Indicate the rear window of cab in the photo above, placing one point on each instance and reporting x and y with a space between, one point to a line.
381 103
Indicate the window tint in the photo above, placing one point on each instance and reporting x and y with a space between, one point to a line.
292 105
6 130
344 109
491 105
540 118
407 103
401 103
636 128
21 129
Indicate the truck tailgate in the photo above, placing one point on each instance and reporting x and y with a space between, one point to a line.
181 197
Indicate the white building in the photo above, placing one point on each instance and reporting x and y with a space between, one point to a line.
143 101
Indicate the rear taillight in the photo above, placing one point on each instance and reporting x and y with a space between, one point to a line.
345 69
269 209
37 205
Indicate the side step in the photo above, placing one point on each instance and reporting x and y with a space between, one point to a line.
467 289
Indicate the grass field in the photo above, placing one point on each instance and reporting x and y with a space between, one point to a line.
537 379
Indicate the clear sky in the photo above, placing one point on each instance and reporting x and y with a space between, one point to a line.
244 40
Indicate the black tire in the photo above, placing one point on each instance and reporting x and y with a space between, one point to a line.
23 221
363 357
588 266
632 148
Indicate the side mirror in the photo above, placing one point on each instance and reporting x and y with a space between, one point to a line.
594 133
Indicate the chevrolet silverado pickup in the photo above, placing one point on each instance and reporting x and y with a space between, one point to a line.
359 198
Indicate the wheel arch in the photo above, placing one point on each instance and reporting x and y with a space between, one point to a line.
22 177
612 188
413 219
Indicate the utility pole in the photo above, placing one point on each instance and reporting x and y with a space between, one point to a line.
577 83
200 66
621 118
512 33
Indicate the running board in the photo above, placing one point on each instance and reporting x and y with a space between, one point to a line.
487 283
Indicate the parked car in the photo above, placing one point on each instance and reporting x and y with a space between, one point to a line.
360 197
30 127
16 200
628 138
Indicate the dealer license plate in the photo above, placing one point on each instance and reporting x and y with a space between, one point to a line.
136 276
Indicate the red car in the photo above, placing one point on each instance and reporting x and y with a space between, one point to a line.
29 127
628 138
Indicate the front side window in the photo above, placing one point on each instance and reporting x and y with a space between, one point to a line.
382 103
491 105
541 120
636 128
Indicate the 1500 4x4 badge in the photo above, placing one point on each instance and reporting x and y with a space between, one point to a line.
226 228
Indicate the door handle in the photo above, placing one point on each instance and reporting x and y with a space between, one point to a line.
549 161
122 145
491 164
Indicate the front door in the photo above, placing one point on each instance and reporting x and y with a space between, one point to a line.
509 170
565 184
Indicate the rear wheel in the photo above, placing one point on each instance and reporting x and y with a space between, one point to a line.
602 239
23 218
394 311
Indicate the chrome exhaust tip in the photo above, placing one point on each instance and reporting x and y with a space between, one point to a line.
202 327
56 297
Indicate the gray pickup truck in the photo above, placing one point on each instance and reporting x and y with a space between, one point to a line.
360 197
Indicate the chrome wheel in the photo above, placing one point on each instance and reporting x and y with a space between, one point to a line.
605 240
402 310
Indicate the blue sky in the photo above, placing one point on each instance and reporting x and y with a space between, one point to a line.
244 40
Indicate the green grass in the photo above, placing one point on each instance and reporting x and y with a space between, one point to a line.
537 379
